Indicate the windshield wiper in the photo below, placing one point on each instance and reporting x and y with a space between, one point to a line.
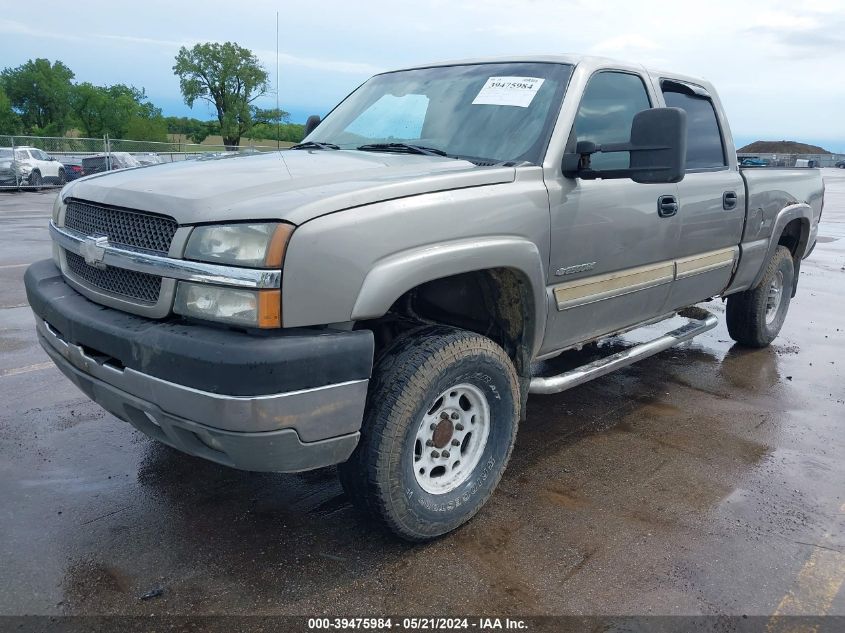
314 145
403 148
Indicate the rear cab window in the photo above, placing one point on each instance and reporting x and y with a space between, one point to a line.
705 145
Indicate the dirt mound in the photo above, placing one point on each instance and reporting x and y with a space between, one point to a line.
781 147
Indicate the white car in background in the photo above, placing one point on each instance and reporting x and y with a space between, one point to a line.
29 167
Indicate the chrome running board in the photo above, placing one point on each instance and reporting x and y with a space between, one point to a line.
700 321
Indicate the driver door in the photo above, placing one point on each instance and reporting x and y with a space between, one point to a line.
611 264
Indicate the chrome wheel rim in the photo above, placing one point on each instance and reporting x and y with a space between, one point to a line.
451 438
774 298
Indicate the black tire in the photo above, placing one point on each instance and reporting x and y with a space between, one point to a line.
62 177
35 181
383 474
753 318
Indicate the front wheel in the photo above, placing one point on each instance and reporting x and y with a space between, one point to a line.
440 425
62 177
755 317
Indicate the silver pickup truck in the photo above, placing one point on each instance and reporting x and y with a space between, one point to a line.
376 296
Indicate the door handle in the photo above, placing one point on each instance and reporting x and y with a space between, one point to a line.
667 206
729 200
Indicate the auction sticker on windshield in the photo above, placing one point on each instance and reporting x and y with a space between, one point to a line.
508 91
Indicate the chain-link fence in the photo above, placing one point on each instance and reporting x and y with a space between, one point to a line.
35 162
791 160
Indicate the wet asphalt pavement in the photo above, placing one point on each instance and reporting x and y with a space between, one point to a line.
709 479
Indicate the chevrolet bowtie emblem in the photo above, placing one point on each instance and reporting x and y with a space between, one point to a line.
93 250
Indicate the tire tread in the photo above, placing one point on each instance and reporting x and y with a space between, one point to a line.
398 384
746 311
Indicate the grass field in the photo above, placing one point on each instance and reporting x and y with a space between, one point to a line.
218 140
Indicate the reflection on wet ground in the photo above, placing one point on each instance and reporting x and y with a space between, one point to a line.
701 480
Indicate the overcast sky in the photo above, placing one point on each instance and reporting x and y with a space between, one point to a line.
778 65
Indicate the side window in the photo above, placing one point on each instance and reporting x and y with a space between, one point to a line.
705 149
610 102
40 155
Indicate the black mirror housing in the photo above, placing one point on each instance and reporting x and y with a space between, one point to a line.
661 133
311 123
657 150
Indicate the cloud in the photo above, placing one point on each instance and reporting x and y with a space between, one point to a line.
813 32
13 27
269 58
624 43
772 61
330 65
783 21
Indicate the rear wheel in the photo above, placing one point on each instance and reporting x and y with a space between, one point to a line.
755 317
35 181
440 425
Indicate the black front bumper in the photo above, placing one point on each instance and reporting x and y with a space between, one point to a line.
290 400
203 357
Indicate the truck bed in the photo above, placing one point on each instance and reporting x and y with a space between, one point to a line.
768 191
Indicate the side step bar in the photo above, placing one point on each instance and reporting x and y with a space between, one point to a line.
700 321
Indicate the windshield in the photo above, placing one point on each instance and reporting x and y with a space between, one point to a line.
487 113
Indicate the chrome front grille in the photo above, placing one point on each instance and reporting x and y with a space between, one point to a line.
133 229
129 284
126 229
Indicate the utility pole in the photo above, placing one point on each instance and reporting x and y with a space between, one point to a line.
278 112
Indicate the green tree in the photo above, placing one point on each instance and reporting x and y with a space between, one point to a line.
120 111
291 132
9 121
227 76
194 129
40 92
270 116
198 133
147 124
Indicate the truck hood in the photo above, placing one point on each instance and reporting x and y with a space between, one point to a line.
294 185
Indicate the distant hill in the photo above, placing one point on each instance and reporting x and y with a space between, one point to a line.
781 147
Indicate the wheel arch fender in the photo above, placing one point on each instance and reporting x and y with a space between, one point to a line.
398 273
801 212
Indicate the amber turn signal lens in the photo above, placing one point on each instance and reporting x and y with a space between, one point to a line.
278 243
269 308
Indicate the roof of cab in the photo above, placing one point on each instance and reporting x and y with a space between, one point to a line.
572 59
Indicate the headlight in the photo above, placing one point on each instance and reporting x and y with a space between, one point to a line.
249 308
58 212
254 245
58 206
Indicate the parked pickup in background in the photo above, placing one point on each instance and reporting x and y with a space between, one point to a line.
376 296
107 162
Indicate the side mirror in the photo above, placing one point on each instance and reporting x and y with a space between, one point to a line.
312 122
657 150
